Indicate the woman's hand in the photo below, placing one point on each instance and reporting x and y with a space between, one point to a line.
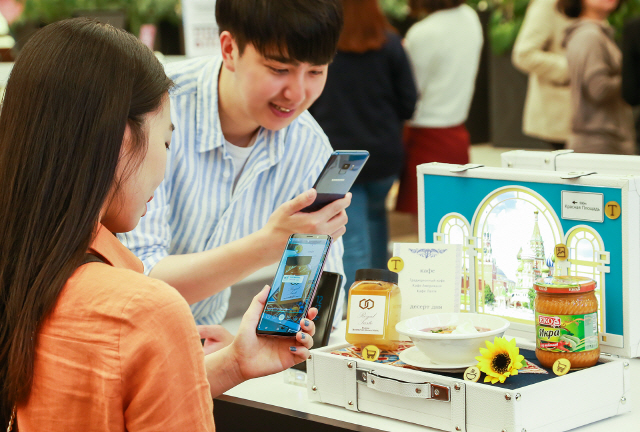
257 356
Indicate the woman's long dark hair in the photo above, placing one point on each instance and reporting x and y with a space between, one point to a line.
74 88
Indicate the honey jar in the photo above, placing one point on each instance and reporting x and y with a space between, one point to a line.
567 321
374 309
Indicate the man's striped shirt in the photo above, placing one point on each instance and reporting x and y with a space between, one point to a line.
196 208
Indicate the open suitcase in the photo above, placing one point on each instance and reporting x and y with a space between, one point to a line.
486 210
534 402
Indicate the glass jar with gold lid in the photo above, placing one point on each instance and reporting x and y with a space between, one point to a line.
374 309
567 321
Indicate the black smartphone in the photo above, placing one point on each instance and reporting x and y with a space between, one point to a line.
326 301
294 285
337 177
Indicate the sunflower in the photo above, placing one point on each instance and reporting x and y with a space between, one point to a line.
500 360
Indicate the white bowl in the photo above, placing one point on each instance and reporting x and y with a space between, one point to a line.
451 348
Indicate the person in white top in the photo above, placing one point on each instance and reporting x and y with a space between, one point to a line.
444 50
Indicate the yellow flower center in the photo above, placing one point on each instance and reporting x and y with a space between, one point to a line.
500 363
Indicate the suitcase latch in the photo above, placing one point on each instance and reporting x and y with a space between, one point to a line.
425 390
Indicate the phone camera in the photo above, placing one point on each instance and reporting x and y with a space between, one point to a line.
345 166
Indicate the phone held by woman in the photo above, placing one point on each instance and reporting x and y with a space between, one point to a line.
294 285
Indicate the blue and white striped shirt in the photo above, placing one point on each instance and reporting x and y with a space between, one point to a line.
196 208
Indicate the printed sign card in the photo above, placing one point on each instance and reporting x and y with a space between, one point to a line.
430 277
200 28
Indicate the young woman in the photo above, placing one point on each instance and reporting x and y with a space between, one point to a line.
87 343
602 122
368 94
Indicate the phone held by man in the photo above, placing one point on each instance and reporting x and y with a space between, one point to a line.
294 285
337 177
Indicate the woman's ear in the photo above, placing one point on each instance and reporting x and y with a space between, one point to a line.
229 50
126 142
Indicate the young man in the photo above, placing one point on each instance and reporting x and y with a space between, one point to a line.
244 154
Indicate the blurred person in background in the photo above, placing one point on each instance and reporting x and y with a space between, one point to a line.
444 50
631 62
369 93
538 52
631 69
602 122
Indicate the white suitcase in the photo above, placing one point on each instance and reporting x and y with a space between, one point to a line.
447 402
568 161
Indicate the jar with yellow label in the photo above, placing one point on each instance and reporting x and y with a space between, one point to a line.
374 309
567 321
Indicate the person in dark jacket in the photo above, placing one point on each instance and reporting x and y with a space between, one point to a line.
369 92
631 69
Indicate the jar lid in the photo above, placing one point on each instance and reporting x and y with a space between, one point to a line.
377 275
565 284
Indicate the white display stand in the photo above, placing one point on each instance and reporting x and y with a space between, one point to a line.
568 161
471 195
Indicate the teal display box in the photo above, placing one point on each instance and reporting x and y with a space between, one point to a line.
510 221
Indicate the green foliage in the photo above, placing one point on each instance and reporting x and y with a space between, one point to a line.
489 298
137 11
397 9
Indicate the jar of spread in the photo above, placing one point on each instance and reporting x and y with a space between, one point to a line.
567 321
374 309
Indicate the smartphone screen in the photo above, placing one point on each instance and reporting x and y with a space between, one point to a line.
294 285
337 177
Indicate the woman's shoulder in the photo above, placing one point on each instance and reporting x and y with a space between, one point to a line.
585 32
108 290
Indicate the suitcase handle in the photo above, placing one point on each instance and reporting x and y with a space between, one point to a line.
425 390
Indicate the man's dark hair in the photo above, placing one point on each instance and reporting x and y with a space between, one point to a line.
301 30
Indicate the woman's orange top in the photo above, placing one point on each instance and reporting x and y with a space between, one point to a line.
120 352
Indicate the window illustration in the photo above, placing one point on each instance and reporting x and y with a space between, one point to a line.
455 229
517 231
585 245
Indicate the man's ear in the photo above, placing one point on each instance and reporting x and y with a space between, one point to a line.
229 50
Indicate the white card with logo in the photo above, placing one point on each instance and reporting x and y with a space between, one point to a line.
367 314
430 280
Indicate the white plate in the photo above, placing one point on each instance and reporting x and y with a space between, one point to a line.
414 357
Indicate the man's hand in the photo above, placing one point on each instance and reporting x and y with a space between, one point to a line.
288 219
257 356
215 337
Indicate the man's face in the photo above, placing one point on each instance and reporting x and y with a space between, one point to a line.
272 91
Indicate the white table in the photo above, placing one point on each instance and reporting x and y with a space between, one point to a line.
273 393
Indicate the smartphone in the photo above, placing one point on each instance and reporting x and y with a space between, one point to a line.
326 301
294 286
337 177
